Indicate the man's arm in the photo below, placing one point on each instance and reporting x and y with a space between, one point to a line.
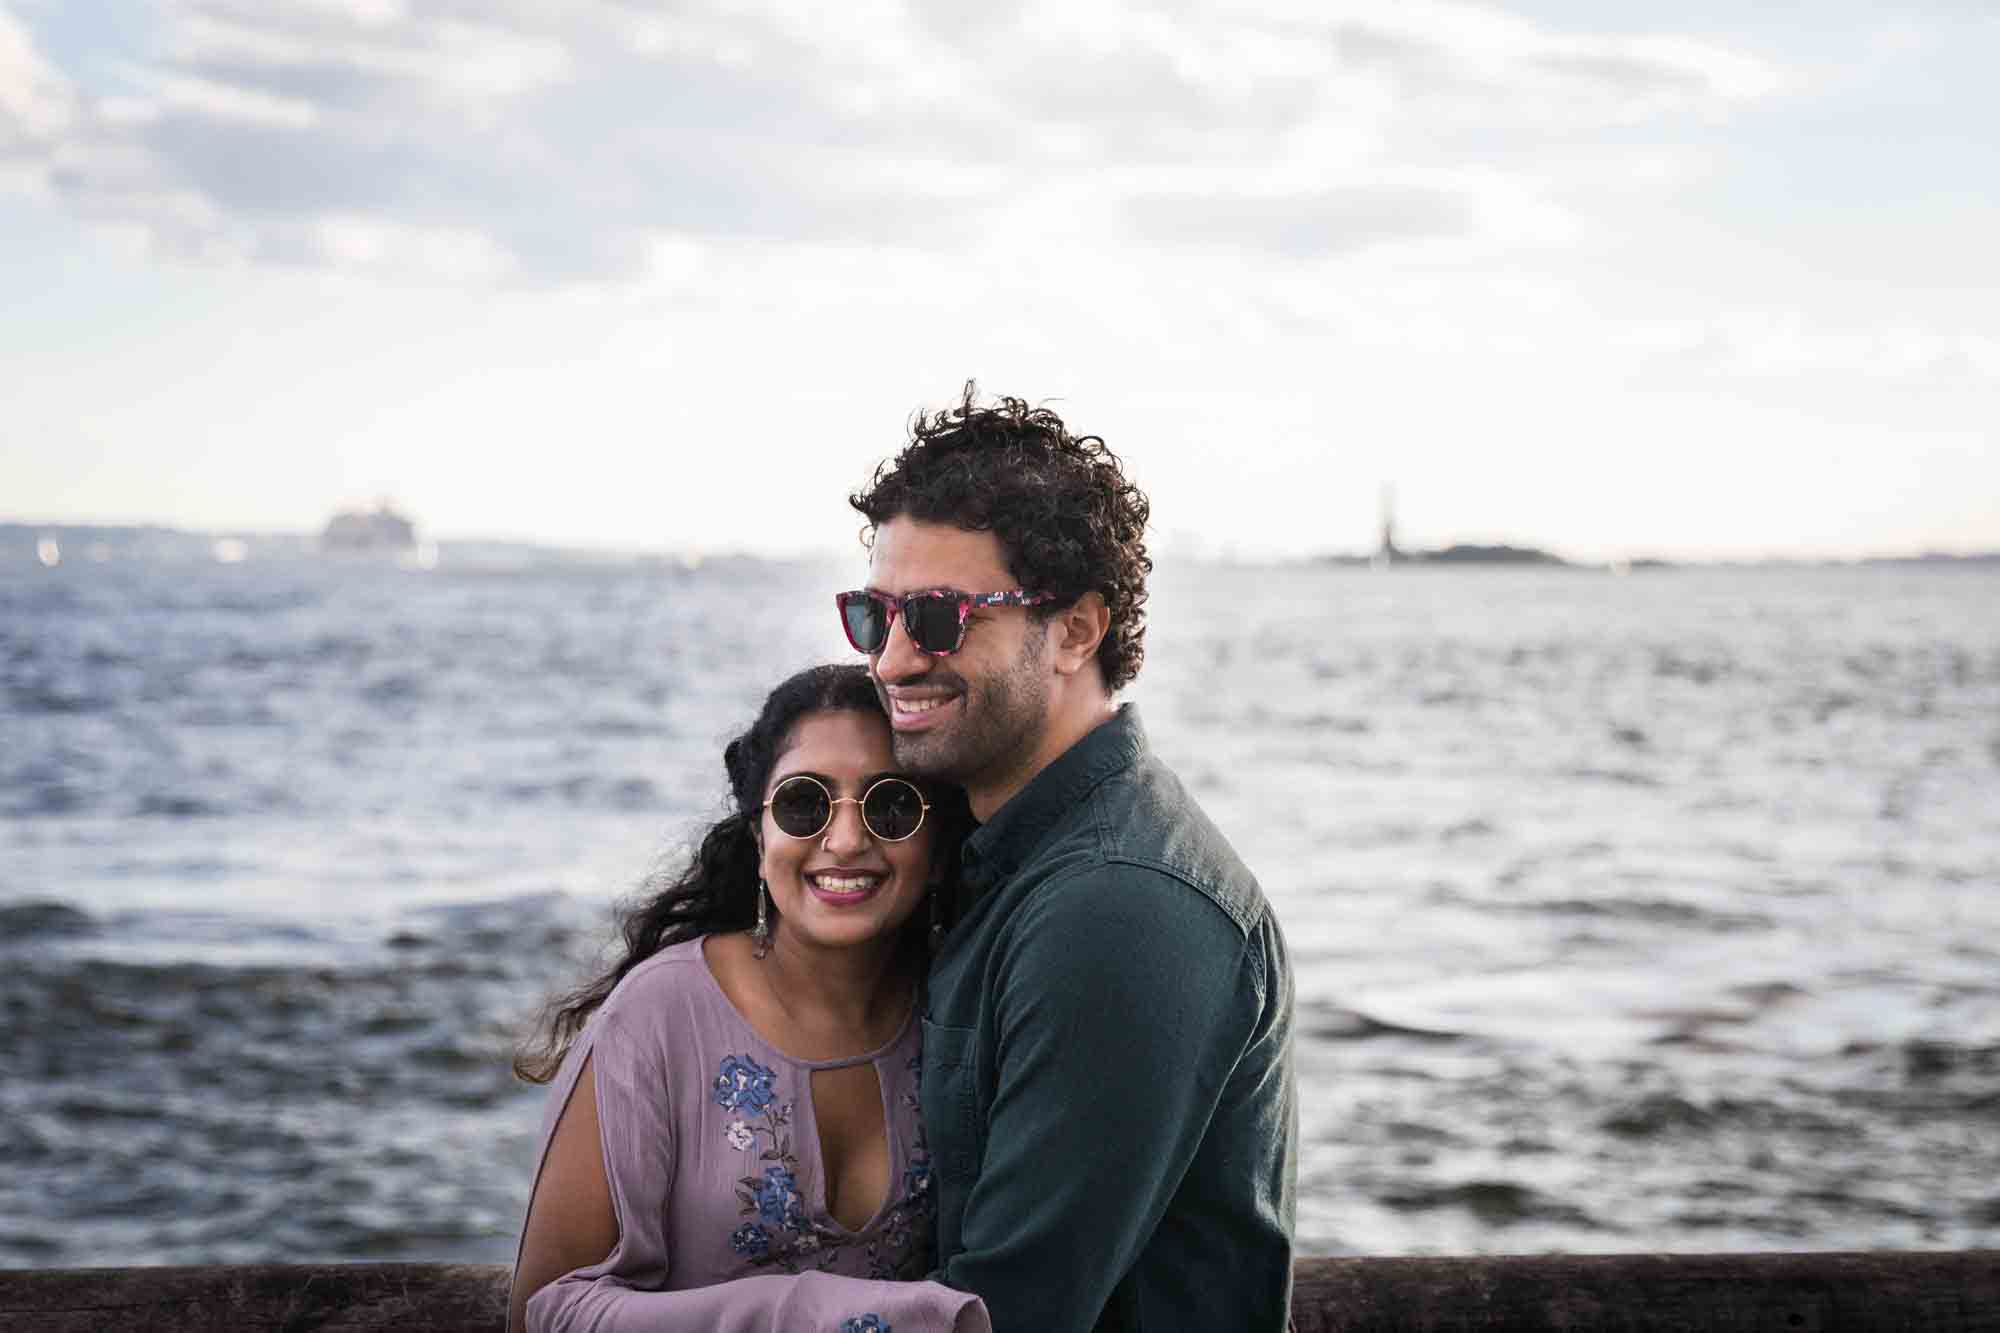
1123 999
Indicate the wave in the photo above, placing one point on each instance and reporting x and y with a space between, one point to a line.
1496 1203
1651 911
1321 1021
176 805
43 919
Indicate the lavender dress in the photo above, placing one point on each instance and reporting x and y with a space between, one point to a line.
711 1152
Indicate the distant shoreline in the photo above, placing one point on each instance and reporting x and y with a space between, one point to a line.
1536 557
19 539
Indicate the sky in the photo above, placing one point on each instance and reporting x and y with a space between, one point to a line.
1617 279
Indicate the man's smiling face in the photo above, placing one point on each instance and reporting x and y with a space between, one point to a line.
973 717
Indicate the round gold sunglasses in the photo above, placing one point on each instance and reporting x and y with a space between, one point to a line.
892 809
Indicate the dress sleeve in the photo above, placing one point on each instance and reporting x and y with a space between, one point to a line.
623 1292
771 1303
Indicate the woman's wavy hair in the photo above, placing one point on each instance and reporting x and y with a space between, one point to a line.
716 890
1067 518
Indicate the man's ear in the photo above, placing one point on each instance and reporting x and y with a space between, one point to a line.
1077 630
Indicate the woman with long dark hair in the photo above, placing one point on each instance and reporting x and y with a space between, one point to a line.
733 1139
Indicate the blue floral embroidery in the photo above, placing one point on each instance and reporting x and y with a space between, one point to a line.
776 1232
867 1323
778 1199
743 1082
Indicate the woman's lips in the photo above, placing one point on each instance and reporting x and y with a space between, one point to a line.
843 888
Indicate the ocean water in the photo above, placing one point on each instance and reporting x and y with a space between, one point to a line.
1658 912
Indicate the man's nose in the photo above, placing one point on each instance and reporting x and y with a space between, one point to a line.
899 659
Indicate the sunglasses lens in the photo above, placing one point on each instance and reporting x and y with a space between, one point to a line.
932 621
893 809
800 808
865 620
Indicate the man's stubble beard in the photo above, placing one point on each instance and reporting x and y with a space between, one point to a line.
1001 721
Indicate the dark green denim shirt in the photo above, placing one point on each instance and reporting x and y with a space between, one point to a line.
1107 1076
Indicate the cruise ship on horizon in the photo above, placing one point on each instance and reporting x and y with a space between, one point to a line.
380 529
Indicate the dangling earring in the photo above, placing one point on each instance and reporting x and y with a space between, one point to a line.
937 920
761 932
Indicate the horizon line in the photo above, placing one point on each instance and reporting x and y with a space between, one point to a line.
1218 552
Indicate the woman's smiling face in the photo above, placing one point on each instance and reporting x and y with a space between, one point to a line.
843 887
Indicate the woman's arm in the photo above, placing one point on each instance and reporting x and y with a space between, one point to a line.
808 1303
570 1221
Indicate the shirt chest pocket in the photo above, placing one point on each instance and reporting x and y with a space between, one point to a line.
952 1115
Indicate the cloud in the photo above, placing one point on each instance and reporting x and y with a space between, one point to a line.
211 100
439 56
1333 221
369 244
37 105
1768 344
1459 67
551 142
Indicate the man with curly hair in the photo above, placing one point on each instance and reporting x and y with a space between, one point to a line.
1107 1071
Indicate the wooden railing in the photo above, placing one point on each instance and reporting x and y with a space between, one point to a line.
1900 1292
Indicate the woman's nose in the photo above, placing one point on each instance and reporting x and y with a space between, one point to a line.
846 832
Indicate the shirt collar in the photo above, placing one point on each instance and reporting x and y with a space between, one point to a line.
1012 837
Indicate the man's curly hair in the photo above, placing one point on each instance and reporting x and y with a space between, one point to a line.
1067 519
